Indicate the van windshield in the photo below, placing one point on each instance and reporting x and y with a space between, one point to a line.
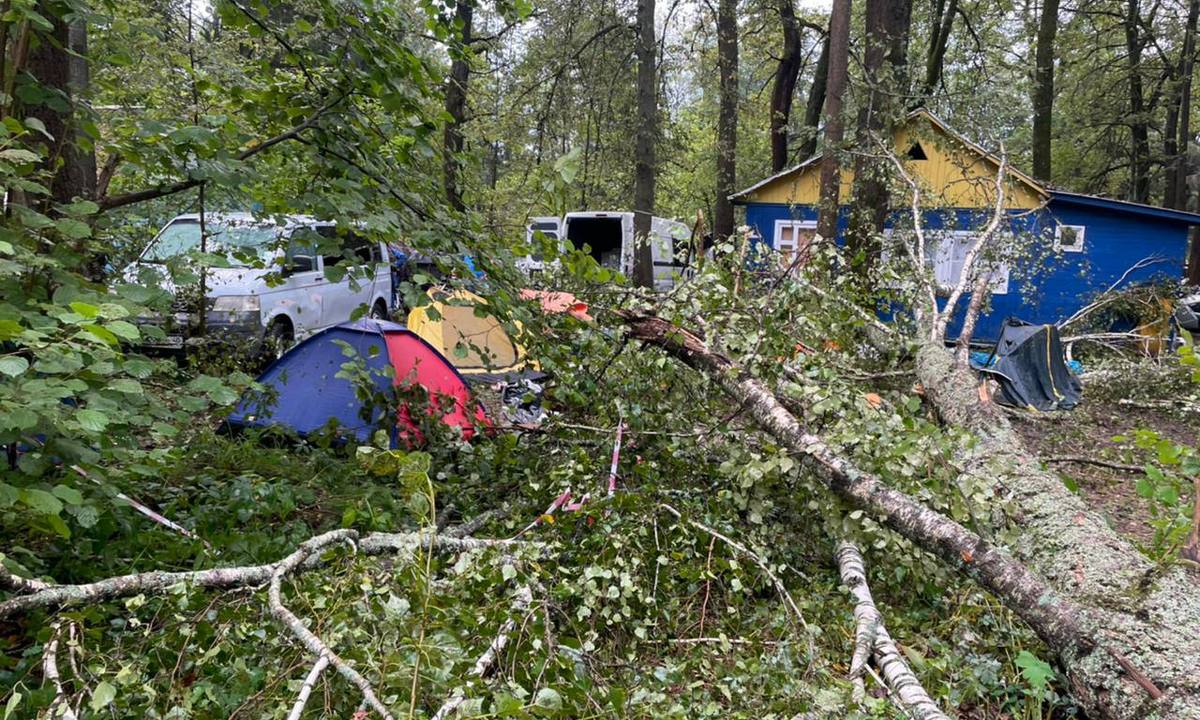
237 240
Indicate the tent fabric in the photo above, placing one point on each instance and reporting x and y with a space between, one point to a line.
478 347
1031 370
303 393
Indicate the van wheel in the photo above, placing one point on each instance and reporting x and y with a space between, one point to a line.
379 311
279 338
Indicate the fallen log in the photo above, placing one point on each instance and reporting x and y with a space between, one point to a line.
1056 619
1146 614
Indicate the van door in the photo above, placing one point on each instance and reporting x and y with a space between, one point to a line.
664 236
299 296
628 244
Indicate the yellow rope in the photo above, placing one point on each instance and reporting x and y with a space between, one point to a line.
1049 367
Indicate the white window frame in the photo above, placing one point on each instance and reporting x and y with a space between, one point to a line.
795 225
944 253
1080 234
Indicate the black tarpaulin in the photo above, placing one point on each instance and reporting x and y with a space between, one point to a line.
1031 370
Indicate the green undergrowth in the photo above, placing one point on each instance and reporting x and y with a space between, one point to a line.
635 613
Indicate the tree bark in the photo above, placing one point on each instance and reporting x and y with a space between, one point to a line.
1139 122
727 69
784 87
456 105
939 40
887 29
646 167
1177 131
1094 590
65 80
831 171
1043 89
816 102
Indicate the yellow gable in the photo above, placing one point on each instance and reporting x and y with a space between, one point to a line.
951 171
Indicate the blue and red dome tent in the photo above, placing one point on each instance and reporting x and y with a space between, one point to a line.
302 392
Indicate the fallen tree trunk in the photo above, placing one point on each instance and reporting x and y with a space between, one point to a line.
1148 615
1057 619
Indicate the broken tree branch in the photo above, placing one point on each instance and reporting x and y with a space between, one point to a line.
1094 461
158 582
307 637
50 673
753 557
307 688
871 636
115 201
486 664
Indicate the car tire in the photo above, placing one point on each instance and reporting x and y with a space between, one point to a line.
279 339
379 311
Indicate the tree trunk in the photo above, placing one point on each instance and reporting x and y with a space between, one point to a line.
938 42
1147 614
784 87
1139 127
1193 261
727 68
65 79
831 172
1177 135
816 102
887 29
456 106
647 135
1043 89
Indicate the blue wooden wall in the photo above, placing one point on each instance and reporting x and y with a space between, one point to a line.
1058 284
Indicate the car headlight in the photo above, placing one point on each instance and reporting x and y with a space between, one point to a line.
236 303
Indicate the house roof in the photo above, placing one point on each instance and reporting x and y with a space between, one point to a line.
1035 191
1183 216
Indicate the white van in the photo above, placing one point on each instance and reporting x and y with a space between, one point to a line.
609 238
276 287
551 228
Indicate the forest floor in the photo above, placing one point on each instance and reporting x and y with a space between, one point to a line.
1103 429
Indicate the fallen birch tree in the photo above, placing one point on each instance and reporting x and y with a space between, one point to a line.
1066 623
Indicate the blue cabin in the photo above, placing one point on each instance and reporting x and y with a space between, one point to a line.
1078 245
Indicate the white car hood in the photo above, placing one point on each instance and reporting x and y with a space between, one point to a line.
219 281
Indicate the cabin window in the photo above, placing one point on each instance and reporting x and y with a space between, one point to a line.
916 152
949 254
1069 238
792 238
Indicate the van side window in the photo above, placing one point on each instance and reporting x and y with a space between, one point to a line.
356 246
301 255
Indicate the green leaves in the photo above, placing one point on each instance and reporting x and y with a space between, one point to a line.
13 365
103 694
92 420
1035 671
